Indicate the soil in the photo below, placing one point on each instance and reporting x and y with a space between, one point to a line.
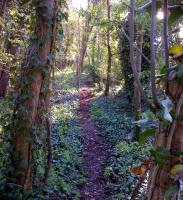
95 151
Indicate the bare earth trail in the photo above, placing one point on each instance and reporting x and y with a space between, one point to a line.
95 153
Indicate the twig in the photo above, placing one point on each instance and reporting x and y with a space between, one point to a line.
126 5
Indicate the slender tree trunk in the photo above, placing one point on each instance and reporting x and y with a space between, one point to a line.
78 70
3 6
84 41
165 32
35 69
137 94
153 53
4 76
93 48
109 65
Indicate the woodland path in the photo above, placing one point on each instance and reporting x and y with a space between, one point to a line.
95 151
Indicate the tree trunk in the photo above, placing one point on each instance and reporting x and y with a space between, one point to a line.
109 65
137 94
35 70
3 6
84 41
4 76
171 138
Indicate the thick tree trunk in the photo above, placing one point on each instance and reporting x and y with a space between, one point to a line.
171 138
35 70
109 64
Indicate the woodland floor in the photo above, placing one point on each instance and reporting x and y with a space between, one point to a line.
95 151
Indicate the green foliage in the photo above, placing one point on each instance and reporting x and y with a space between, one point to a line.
180 73
161 155
94 73
67 173
175 14
114 117
145 135
171 192
120 181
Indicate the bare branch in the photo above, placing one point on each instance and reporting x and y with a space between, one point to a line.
136 47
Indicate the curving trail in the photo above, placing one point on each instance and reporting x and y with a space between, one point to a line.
95 153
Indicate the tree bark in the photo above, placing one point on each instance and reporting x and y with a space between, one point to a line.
109 65
35 70
4 76
171 138
153 54
165 32
137 94
84 41
3 6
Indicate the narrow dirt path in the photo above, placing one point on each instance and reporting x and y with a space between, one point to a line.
95 153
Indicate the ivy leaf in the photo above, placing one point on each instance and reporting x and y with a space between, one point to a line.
176 50
163 69
171 192
175 15
146 134
177 169
180 73
161 155
25 2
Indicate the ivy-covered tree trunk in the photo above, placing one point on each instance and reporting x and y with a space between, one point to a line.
138 60
171 139
35 70
3 6
125 61
109 63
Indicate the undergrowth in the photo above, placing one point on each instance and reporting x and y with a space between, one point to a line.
114 118
66 173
